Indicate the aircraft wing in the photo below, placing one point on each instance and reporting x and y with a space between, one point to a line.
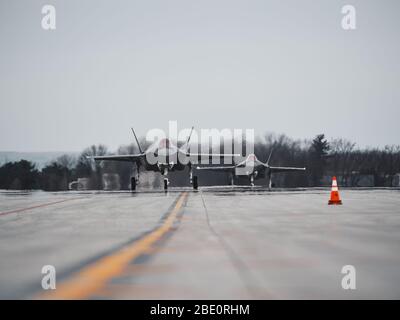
210 156
286 169
125 157
219 168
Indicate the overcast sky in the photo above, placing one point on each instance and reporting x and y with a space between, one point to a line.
282 66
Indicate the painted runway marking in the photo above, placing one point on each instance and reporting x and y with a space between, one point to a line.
244 272
90 279
36 206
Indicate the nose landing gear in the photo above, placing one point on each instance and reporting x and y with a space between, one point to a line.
269 182
133 183
232 179
166 181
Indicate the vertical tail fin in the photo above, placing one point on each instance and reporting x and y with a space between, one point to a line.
137 141
269 158
185 147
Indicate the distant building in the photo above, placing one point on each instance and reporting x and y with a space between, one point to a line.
364 180
354 180
80 184
396 180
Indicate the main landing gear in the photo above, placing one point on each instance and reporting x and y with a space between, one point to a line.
195 183
193 180
135 180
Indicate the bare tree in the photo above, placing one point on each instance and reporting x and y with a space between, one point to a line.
341 159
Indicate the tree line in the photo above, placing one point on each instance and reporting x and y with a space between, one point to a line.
322 158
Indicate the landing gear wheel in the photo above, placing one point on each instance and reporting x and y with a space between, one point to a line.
195 183
133 183
165 184
270 184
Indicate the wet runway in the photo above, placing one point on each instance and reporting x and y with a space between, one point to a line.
217 243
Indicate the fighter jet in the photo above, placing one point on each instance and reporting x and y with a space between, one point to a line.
162 156
252 168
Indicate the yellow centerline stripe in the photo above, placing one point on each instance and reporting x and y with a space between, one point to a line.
90 279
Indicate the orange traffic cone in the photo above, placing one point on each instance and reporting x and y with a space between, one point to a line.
335 198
